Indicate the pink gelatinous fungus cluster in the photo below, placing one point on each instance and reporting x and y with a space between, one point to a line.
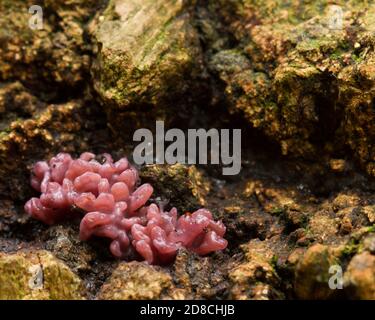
115 208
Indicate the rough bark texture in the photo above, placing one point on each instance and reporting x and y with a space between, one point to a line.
299 80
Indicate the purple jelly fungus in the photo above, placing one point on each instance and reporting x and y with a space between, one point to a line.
115 208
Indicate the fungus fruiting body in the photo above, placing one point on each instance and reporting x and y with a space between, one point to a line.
114 206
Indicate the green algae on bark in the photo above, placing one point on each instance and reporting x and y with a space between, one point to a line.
58 53
147 51
185 187
303 73
139 281
306 85
37 275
